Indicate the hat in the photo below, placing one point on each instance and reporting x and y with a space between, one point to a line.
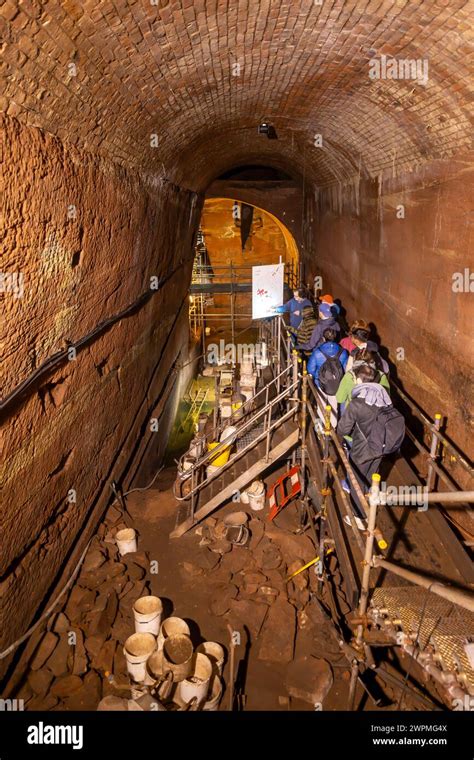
327 299
325 310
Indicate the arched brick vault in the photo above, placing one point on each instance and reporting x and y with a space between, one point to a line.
167 68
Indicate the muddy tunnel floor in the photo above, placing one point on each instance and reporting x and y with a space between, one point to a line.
287 646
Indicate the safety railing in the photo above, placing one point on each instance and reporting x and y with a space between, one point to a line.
335 462
263 414
238 274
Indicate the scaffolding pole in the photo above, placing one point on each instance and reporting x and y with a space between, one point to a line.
457 596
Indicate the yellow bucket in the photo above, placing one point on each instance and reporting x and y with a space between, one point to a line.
222 457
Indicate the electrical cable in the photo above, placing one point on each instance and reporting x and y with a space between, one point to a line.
31 630
21 391
45 614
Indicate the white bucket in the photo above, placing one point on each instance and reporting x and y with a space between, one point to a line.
170 627
147 612
211 469
126 541
244 497
248 392
228 432
216 654
256 494
215 696
137 649
197 446
197 685
248 381
262 355
177 656
226 410
246 366
154 667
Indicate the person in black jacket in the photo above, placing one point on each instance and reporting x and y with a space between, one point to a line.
362 342
327 321
367 398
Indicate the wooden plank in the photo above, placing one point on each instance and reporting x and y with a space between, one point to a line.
240 482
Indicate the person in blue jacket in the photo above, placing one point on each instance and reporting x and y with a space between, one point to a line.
327 321
329 349
294 307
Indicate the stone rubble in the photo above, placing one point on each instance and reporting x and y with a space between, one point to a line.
79 662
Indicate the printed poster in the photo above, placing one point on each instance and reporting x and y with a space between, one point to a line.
267 289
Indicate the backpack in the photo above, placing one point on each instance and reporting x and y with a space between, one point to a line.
387 432
331 373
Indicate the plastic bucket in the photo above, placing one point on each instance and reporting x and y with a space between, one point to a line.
196 447
256 494
222 457
147 612
228 434
202 419
126 541
244 497
216 654
246 366
237 410
236 518
215 695
226 410
188 463
154 667
170 627
197 685
248 392
137 649
178 656
211 469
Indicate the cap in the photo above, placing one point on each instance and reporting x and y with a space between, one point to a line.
327 299
325 309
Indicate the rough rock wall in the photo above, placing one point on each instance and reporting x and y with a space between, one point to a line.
86 237
391 249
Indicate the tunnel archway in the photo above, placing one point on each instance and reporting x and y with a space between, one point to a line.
225 261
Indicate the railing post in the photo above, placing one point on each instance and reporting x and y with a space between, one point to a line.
278 354
433 453
295 374
193 484
304 412
325 492
374 501
267 422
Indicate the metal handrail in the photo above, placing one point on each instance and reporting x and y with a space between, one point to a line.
459 457
368 547
234 417
236 456
246 425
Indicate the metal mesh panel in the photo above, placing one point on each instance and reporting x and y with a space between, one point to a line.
248 437
440 623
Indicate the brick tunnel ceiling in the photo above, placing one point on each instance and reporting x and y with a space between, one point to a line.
167 69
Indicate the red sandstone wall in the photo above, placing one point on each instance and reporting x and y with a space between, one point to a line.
398 274
77 272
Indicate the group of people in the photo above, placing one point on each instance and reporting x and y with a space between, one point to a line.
353 378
